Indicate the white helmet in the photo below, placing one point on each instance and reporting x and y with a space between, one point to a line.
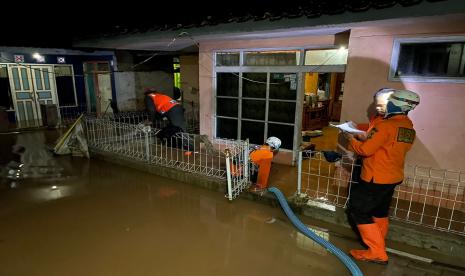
273 142
406 100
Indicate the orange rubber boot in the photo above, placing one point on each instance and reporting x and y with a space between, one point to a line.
383 224
373 238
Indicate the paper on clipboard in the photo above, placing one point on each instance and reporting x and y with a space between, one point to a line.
348 127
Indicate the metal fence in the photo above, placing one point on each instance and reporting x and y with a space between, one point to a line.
238 169
69 114
428 197
129 136
322 181
434 198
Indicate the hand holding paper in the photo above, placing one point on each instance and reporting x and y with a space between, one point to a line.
348 127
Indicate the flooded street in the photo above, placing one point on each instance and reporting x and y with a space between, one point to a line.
89 217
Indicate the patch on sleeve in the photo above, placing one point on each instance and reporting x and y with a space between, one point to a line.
406 135
372 132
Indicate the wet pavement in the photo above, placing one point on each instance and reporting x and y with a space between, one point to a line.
74 216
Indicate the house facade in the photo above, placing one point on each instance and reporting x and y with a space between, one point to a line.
72 81
282 77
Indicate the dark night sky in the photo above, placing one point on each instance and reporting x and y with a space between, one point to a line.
56 24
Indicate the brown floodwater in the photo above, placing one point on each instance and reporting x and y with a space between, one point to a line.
71 216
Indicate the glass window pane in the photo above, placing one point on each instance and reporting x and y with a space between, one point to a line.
227 59
3 72
283 132
254 131
227 84
281 112
25 79
63 70
38 78
226 107
16 78
326 57
226 128
283 86
46 78
254 85
272 58
253 109
431 59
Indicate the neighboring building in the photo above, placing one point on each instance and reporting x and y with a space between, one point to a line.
254 75
73 81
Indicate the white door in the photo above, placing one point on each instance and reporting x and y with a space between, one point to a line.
31 85
104 88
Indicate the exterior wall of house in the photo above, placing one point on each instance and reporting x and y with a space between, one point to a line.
130 82
71 57
438 119
190 81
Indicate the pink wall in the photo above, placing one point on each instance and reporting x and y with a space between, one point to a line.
439 119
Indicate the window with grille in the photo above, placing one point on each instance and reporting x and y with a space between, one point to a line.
429 59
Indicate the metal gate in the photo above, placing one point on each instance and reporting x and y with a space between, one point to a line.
237 169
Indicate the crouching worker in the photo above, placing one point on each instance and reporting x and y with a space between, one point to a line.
262 157
160 105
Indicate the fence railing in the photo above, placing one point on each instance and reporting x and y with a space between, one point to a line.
428 197
238 169
130 137
323 181
434 198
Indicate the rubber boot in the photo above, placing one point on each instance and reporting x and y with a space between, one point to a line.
383 224
372 237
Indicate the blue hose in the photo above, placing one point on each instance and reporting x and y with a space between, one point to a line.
346 260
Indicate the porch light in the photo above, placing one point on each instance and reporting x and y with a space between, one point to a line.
38 57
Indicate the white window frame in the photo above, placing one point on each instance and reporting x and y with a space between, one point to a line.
299 69
430 39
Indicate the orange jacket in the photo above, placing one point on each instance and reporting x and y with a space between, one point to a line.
384 150
262 157
162 102
368 126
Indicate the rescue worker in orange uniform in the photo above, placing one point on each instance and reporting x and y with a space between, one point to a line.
262 158
384 152
161 105
380 99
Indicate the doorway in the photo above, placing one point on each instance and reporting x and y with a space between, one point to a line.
322 104
31 86
97 76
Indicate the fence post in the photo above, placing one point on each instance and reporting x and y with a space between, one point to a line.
299 173
147 144
228 172
246 160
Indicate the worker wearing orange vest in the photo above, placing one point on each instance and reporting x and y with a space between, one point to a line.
262 157
384 151
159 104
380 99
